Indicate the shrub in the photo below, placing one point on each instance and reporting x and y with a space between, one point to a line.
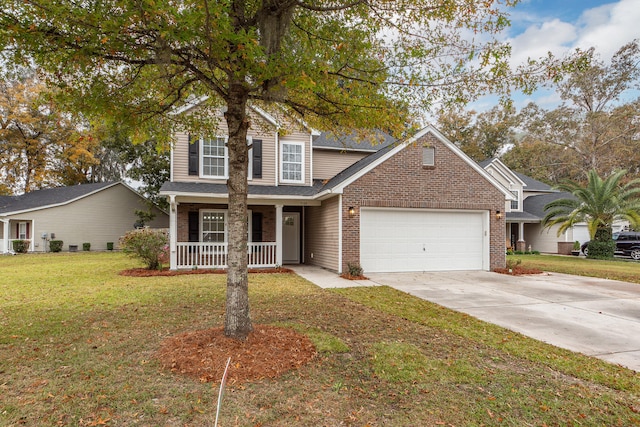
355 270
21 246
55 245
602 246
86 247
109 246
513 263
146 244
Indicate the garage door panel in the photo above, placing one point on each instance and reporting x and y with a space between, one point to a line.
420 240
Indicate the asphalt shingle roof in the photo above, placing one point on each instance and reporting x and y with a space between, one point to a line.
48 197
535 204
349 142
259 190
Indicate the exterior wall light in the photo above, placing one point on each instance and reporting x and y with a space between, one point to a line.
498 215
352 211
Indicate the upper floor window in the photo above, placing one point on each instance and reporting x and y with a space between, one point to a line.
292 165
515 204
215 160
210 158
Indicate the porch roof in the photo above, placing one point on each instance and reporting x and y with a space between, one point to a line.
208 189
522 217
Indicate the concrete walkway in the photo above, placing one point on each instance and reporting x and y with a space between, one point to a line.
596 317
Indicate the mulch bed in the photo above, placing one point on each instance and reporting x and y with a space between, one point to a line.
143 272
268 352
518 271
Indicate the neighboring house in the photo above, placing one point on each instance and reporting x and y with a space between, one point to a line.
416 205
88 213
524 216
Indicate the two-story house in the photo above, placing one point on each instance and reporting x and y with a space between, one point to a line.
524 213
415 205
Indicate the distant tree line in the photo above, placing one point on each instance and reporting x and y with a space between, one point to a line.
595 128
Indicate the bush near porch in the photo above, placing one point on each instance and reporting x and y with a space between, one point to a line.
78 344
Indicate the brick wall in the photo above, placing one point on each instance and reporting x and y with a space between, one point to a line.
403 182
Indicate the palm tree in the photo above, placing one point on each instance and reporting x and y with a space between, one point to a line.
598 204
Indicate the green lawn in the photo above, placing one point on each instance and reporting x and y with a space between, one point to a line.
78 343
618 269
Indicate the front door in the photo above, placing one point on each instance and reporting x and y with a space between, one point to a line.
291 237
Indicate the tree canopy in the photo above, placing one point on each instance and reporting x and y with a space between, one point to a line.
349 64
40 145
595 128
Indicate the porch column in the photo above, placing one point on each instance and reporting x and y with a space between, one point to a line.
173 234
521 245
279 235
5 236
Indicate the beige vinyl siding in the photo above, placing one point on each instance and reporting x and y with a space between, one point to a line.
545 239
181 153
97 219
321 234
329 163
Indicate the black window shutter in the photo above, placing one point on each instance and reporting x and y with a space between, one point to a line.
194 227
194 161
257 158
256 227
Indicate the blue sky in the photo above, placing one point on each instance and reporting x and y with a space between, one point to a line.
560 26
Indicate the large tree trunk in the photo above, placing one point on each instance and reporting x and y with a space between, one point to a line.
237 318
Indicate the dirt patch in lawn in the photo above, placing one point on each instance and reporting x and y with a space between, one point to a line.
143 272
268 352
518 271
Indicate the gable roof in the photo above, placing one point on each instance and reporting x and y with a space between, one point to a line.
529 183
358 169
534 184
50 197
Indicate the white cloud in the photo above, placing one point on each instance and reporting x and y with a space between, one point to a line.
539 39
609 27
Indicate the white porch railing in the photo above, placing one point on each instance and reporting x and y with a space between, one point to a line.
214 255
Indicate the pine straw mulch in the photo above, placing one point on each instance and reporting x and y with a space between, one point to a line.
143 272
268 352
518 271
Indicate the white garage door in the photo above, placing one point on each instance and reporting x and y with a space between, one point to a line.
422 240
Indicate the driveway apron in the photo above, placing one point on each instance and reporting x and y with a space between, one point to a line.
596 317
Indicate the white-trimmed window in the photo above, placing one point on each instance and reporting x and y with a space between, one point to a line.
515 204
215 158
214 226
214 161
22 231
292 162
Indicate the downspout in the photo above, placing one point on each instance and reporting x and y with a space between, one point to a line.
340 234
173 232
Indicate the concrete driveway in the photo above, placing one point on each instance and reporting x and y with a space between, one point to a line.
596 317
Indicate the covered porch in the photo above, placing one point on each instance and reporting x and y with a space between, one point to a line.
15 229
198 233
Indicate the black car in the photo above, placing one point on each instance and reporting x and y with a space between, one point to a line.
627 243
